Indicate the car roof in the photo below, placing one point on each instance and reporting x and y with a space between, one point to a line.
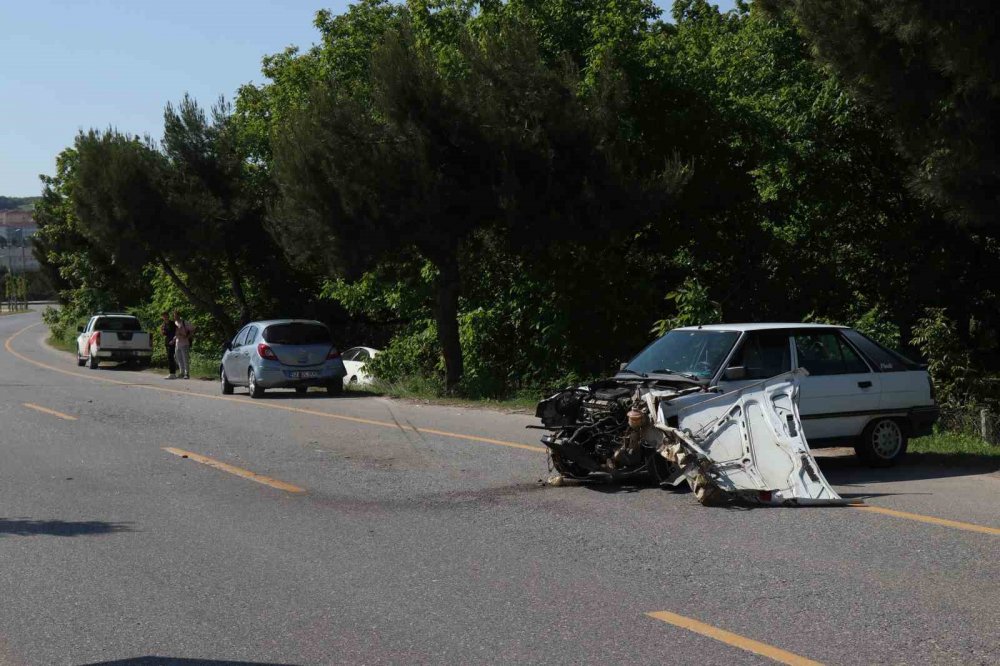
759 326
271 322
123 315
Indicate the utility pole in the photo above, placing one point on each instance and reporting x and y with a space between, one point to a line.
10 275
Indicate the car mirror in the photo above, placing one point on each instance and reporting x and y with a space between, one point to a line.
622 367
227 346
79 329
735 373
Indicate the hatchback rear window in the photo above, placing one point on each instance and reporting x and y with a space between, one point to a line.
297 334
117 324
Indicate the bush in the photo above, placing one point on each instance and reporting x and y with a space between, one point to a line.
949 361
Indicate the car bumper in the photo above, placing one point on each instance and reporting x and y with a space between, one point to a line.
922 420
280 376
123 354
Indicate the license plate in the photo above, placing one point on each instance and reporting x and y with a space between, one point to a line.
305 374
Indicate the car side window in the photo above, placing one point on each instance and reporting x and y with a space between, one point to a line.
827 354
238 338
363 355
764 354
251 335
349 354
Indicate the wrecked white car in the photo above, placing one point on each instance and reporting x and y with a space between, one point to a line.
718 406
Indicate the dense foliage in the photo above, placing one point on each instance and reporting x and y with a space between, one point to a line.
509 195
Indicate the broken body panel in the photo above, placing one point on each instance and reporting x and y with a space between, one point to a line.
746 445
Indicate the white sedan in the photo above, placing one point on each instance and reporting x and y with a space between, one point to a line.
354 360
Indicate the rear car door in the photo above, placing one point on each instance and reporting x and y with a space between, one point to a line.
230 361
841 393
247 351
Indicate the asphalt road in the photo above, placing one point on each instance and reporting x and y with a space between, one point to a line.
403 533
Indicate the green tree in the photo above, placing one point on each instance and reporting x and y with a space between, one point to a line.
504 142
932 68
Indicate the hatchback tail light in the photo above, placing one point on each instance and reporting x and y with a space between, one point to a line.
266 352
332 354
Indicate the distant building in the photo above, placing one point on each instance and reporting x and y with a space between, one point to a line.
16 229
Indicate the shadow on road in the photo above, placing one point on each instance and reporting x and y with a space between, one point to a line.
847 470
173 661
29 527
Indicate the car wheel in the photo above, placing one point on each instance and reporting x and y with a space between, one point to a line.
882 443
227 388
301 390
336 387
256 390
80 361
92 363
567 468
354 381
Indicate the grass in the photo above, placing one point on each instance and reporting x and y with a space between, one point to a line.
427 390
955 443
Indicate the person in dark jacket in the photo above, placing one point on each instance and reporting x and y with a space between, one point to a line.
169 330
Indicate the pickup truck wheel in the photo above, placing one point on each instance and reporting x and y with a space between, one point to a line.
80 361
92 363
301 390
227 388
256 390
883 443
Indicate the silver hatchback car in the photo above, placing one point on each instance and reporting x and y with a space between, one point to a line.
282 353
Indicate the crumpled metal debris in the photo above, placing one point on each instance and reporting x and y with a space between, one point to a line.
742 446
747 445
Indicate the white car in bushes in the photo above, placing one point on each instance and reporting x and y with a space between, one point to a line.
355 359
857 392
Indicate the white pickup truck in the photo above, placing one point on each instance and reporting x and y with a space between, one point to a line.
113 337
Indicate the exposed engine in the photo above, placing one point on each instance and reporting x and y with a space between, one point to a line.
603 431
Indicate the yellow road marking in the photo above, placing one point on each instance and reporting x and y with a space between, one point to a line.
958 525
266 405
729 638
39 408
232 469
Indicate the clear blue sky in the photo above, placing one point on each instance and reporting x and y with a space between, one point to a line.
75 64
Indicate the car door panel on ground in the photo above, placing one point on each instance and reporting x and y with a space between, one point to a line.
842 393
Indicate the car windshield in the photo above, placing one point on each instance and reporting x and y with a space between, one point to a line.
693 353
117 324
297 333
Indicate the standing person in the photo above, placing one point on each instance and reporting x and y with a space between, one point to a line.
182 343
169 329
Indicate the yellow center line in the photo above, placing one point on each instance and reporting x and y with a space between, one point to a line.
958 525
232 469
735 640
265 405
46 410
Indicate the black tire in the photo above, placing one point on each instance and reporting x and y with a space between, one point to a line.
883 442
92 361
301 390
80 361
567 468
256 390
660 470
227 388
336 387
